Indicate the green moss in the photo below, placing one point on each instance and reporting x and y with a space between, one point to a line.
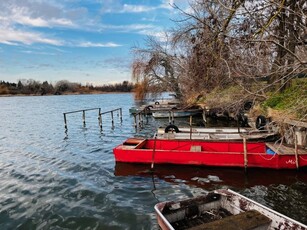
293 99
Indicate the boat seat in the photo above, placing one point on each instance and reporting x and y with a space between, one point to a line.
195 148
244 221
133 141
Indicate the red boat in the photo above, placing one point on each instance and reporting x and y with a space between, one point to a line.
210 153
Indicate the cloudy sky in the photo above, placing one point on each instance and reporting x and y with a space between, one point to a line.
86 41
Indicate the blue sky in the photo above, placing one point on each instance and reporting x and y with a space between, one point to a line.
86 41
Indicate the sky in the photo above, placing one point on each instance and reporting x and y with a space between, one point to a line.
84 41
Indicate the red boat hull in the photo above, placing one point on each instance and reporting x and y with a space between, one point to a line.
207 153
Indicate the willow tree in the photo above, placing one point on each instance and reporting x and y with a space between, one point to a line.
156 69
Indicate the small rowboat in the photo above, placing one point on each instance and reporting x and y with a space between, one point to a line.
221 209
210 153
176 113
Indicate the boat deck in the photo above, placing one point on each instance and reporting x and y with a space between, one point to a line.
285 150
222 219
207 217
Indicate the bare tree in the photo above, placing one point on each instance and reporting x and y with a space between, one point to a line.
248 47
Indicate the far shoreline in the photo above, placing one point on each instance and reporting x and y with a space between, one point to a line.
63 94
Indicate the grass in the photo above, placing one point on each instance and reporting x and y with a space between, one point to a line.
292 101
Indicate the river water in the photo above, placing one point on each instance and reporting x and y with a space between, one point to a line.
52 179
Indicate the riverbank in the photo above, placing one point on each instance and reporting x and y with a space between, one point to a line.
64 94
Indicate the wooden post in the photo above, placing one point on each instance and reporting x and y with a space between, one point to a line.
169 117
245 153
296 151
190 127
65 121
83 117
173 119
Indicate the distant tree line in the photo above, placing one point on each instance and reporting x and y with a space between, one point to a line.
33 87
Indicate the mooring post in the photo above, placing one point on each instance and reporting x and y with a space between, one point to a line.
65 122
121 114
112 117
190 127
173 118
204 116
245 153
140 120
83 117
135 124
99 119
146 115
296 152
169 117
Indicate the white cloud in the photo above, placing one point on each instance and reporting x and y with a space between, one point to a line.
39 53
24 16
91 44
136 8
13 37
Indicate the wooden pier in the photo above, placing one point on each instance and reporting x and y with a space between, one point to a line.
111 112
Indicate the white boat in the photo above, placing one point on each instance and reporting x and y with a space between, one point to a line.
219 133
176 113
221 209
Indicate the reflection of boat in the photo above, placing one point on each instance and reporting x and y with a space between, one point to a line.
210 177
221 209
176 113
222 133
209 153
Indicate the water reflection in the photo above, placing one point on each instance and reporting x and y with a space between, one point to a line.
211 177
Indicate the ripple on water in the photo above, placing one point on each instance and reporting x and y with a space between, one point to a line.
52 179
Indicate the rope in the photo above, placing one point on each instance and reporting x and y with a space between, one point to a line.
302 158
260 154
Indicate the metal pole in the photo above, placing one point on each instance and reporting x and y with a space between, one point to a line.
121 114
140 120
112 118
153 154
100 119
83 117
65 121
135 124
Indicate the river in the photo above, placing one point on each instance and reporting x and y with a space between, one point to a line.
52 178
